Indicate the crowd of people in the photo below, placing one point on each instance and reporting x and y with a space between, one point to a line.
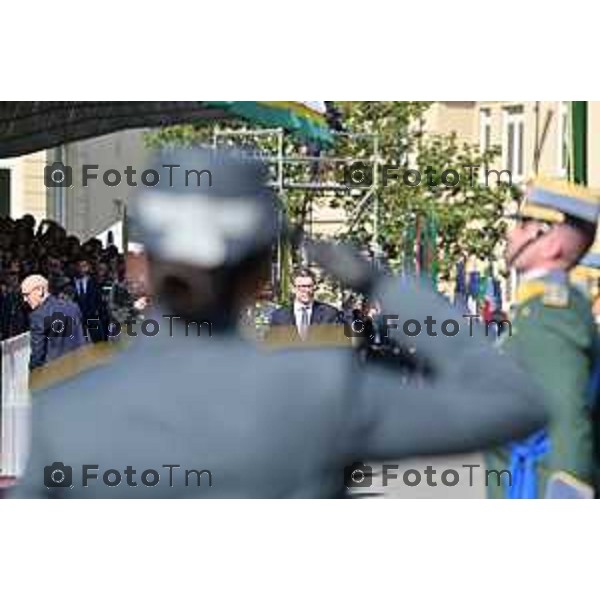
85 273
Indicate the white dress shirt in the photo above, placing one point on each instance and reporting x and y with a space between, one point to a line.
298 310
81 285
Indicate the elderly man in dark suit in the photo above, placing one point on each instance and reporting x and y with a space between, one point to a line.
306 311
55 324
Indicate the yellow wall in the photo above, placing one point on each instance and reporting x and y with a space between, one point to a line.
34 190
448 117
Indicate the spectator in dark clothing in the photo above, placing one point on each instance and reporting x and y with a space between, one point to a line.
88 295
13 312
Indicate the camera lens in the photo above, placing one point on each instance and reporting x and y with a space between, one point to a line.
57 176
57 476
357 479
358 176
355 329
61 326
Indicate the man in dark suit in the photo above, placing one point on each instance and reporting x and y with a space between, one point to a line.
56 327
306 311
88 296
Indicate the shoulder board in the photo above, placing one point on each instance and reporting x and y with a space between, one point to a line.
556 295
553 294
72 364
529 290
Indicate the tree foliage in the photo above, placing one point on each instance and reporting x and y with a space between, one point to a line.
467 216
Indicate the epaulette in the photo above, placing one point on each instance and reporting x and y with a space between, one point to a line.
529 290
553 293
319 336
556 294
83 359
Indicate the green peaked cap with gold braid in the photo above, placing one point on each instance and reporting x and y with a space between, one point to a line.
555 200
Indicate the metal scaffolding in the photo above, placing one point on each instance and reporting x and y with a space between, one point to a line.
280 159
324 175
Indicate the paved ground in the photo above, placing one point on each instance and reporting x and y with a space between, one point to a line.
470 481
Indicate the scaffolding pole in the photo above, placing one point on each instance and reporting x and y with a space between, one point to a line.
366 196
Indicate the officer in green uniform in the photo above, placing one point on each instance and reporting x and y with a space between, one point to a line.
553 337
587 276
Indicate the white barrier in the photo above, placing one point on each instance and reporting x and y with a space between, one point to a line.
15 405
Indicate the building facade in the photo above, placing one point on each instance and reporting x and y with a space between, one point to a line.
22 188
87 211
96 203
531 136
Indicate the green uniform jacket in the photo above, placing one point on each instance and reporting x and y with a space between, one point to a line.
554 338
595 411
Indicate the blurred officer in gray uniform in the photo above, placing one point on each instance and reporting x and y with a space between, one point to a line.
178 415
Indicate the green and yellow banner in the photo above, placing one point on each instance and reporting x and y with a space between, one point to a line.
306 118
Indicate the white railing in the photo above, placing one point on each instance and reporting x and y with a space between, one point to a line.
15 405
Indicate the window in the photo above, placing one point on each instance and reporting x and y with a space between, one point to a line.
513 142
485 129
563 139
